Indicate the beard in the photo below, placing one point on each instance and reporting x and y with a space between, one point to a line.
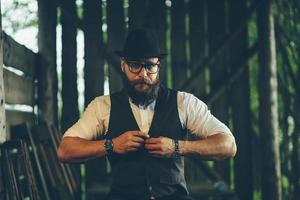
141 98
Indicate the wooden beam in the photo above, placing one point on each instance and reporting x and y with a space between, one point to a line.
18 89
18 56
242 65
3 135
15 117
227 40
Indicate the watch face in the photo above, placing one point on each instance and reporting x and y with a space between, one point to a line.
108 145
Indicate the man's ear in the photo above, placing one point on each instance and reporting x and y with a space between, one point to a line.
122 64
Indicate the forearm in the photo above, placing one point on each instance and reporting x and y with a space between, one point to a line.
75 149
217 146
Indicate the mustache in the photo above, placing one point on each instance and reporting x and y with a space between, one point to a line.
141 81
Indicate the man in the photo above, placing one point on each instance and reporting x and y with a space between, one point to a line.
144 126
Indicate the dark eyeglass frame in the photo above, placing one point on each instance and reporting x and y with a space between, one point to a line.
139 65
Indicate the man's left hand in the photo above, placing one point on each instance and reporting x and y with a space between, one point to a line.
160 147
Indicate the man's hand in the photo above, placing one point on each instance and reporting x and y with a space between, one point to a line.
160 147
129 141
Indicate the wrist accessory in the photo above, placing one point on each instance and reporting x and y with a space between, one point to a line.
108 146
176 149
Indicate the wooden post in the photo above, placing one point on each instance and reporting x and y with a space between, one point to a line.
3 136
47 76
70 112
218 69
93 77
116 37
178 43
156 19
197 40
137 13
240 102
93 66
268 113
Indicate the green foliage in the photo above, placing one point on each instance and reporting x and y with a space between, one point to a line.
19 14
257 195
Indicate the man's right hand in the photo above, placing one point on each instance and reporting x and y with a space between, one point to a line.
129 141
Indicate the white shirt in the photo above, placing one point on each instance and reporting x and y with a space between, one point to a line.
193 113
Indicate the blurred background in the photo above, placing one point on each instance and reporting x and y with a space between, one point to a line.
241 57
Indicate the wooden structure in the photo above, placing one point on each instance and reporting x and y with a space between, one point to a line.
208 49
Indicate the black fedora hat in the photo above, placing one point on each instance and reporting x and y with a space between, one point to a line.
141 43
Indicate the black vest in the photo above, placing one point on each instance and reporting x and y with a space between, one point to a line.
138 173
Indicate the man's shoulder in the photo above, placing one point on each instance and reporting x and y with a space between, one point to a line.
101 100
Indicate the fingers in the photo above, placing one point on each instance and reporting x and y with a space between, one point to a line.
153 140
156 153
152 147
138 139
141 134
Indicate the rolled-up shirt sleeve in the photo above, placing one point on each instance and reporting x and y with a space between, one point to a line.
90 125
197 118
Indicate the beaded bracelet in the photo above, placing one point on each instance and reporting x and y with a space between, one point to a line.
176 149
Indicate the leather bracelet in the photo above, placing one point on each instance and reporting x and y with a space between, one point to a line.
176 149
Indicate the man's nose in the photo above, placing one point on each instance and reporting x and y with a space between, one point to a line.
143 72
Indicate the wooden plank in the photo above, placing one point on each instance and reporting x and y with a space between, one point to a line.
18 89
226 41
18 56
3 135
14 117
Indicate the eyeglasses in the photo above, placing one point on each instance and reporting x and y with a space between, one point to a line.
136 67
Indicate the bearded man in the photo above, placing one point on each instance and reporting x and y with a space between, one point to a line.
144 127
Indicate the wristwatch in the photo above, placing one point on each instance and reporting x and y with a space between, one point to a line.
108 146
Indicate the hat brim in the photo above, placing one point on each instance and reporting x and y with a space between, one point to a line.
122 54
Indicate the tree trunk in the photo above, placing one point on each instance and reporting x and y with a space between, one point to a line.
218 69
268 115
240 102
70 112
116 37
178 43
47 75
